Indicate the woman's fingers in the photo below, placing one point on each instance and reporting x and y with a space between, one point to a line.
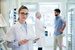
20 42
25 40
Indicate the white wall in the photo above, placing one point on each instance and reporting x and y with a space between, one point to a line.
16 3
4 9
4 12
63 3
0 6
72 1
10 4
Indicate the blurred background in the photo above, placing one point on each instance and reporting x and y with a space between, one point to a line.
8 17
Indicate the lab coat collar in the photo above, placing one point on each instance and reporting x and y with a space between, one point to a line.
21 27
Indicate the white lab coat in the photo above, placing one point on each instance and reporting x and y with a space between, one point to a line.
40 33
17 33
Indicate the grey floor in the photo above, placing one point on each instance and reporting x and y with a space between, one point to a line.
49 44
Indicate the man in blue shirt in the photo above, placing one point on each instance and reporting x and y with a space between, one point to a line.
59 28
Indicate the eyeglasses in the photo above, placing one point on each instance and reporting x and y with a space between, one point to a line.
22 13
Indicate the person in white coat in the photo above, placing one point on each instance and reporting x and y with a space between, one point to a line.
40 31
21 35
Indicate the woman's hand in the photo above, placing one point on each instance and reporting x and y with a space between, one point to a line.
22 42
37 39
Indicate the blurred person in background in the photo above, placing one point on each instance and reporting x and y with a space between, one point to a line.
40 31
59 28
